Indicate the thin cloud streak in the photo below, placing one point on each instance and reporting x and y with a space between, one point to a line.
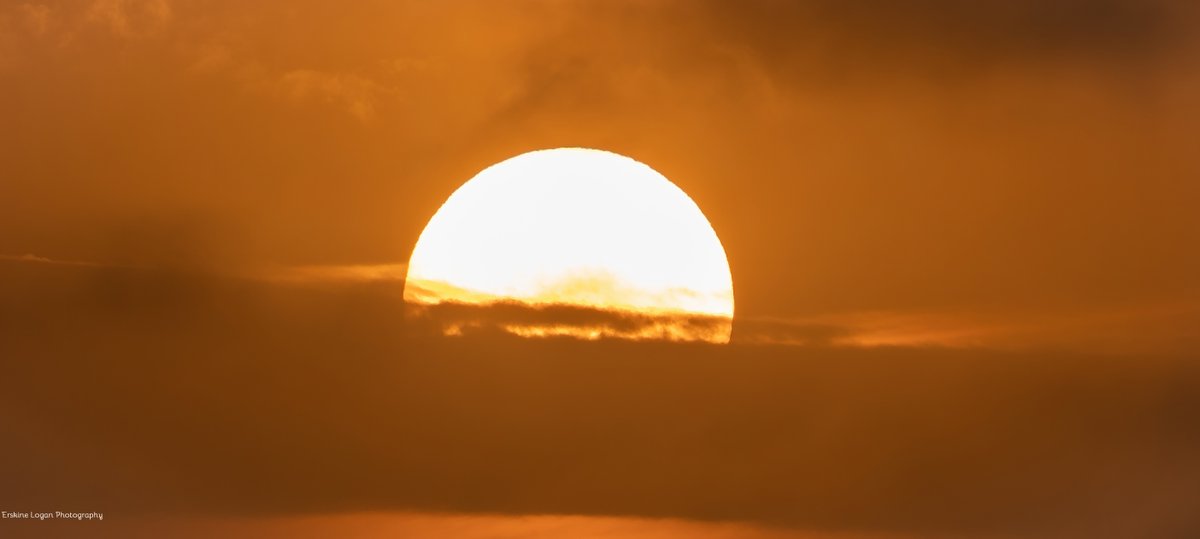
1162 327
333 273
430 525
35 259
321 273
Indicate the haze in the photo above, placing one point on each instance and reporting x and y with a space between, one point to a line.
962 237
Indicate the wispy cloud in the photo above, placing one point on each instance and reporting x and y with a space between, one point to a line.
332 273
1135 328
1143 327
37 17
131 18
358 95
294 274
274 274
35 259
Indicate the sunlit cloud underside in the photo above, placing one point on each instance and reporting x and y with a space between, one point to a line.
460 312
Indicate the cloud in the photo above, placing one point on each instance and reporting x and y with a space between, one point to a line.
1154 328
333 273
358 95
43 260
1157 328
131 18
945 37
404 524
37 17
310 274
194 394
202 49
552 319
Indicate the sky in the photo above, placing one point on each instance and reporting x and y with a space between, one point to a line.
962 237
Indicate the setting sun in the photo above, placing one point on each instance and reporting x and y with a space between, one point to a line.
291 269
576 227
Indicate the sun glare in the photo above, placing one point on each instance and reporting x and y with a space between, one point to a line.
577 227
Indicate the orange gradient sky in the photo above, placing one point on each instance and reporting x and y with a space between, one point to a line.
962 237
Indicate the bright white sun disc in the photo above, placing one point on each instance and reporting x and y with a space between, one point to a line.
577 227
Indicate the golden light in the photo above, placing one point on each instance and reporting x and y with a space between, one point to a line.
581 228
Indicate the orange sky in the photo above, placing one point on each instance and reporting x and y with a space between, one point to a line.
188 186
1007 159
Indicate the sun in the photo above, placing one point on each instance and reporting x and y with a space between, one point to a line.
583 229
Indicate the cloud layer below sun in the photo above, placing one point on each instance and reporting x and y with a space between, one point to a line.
251 398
